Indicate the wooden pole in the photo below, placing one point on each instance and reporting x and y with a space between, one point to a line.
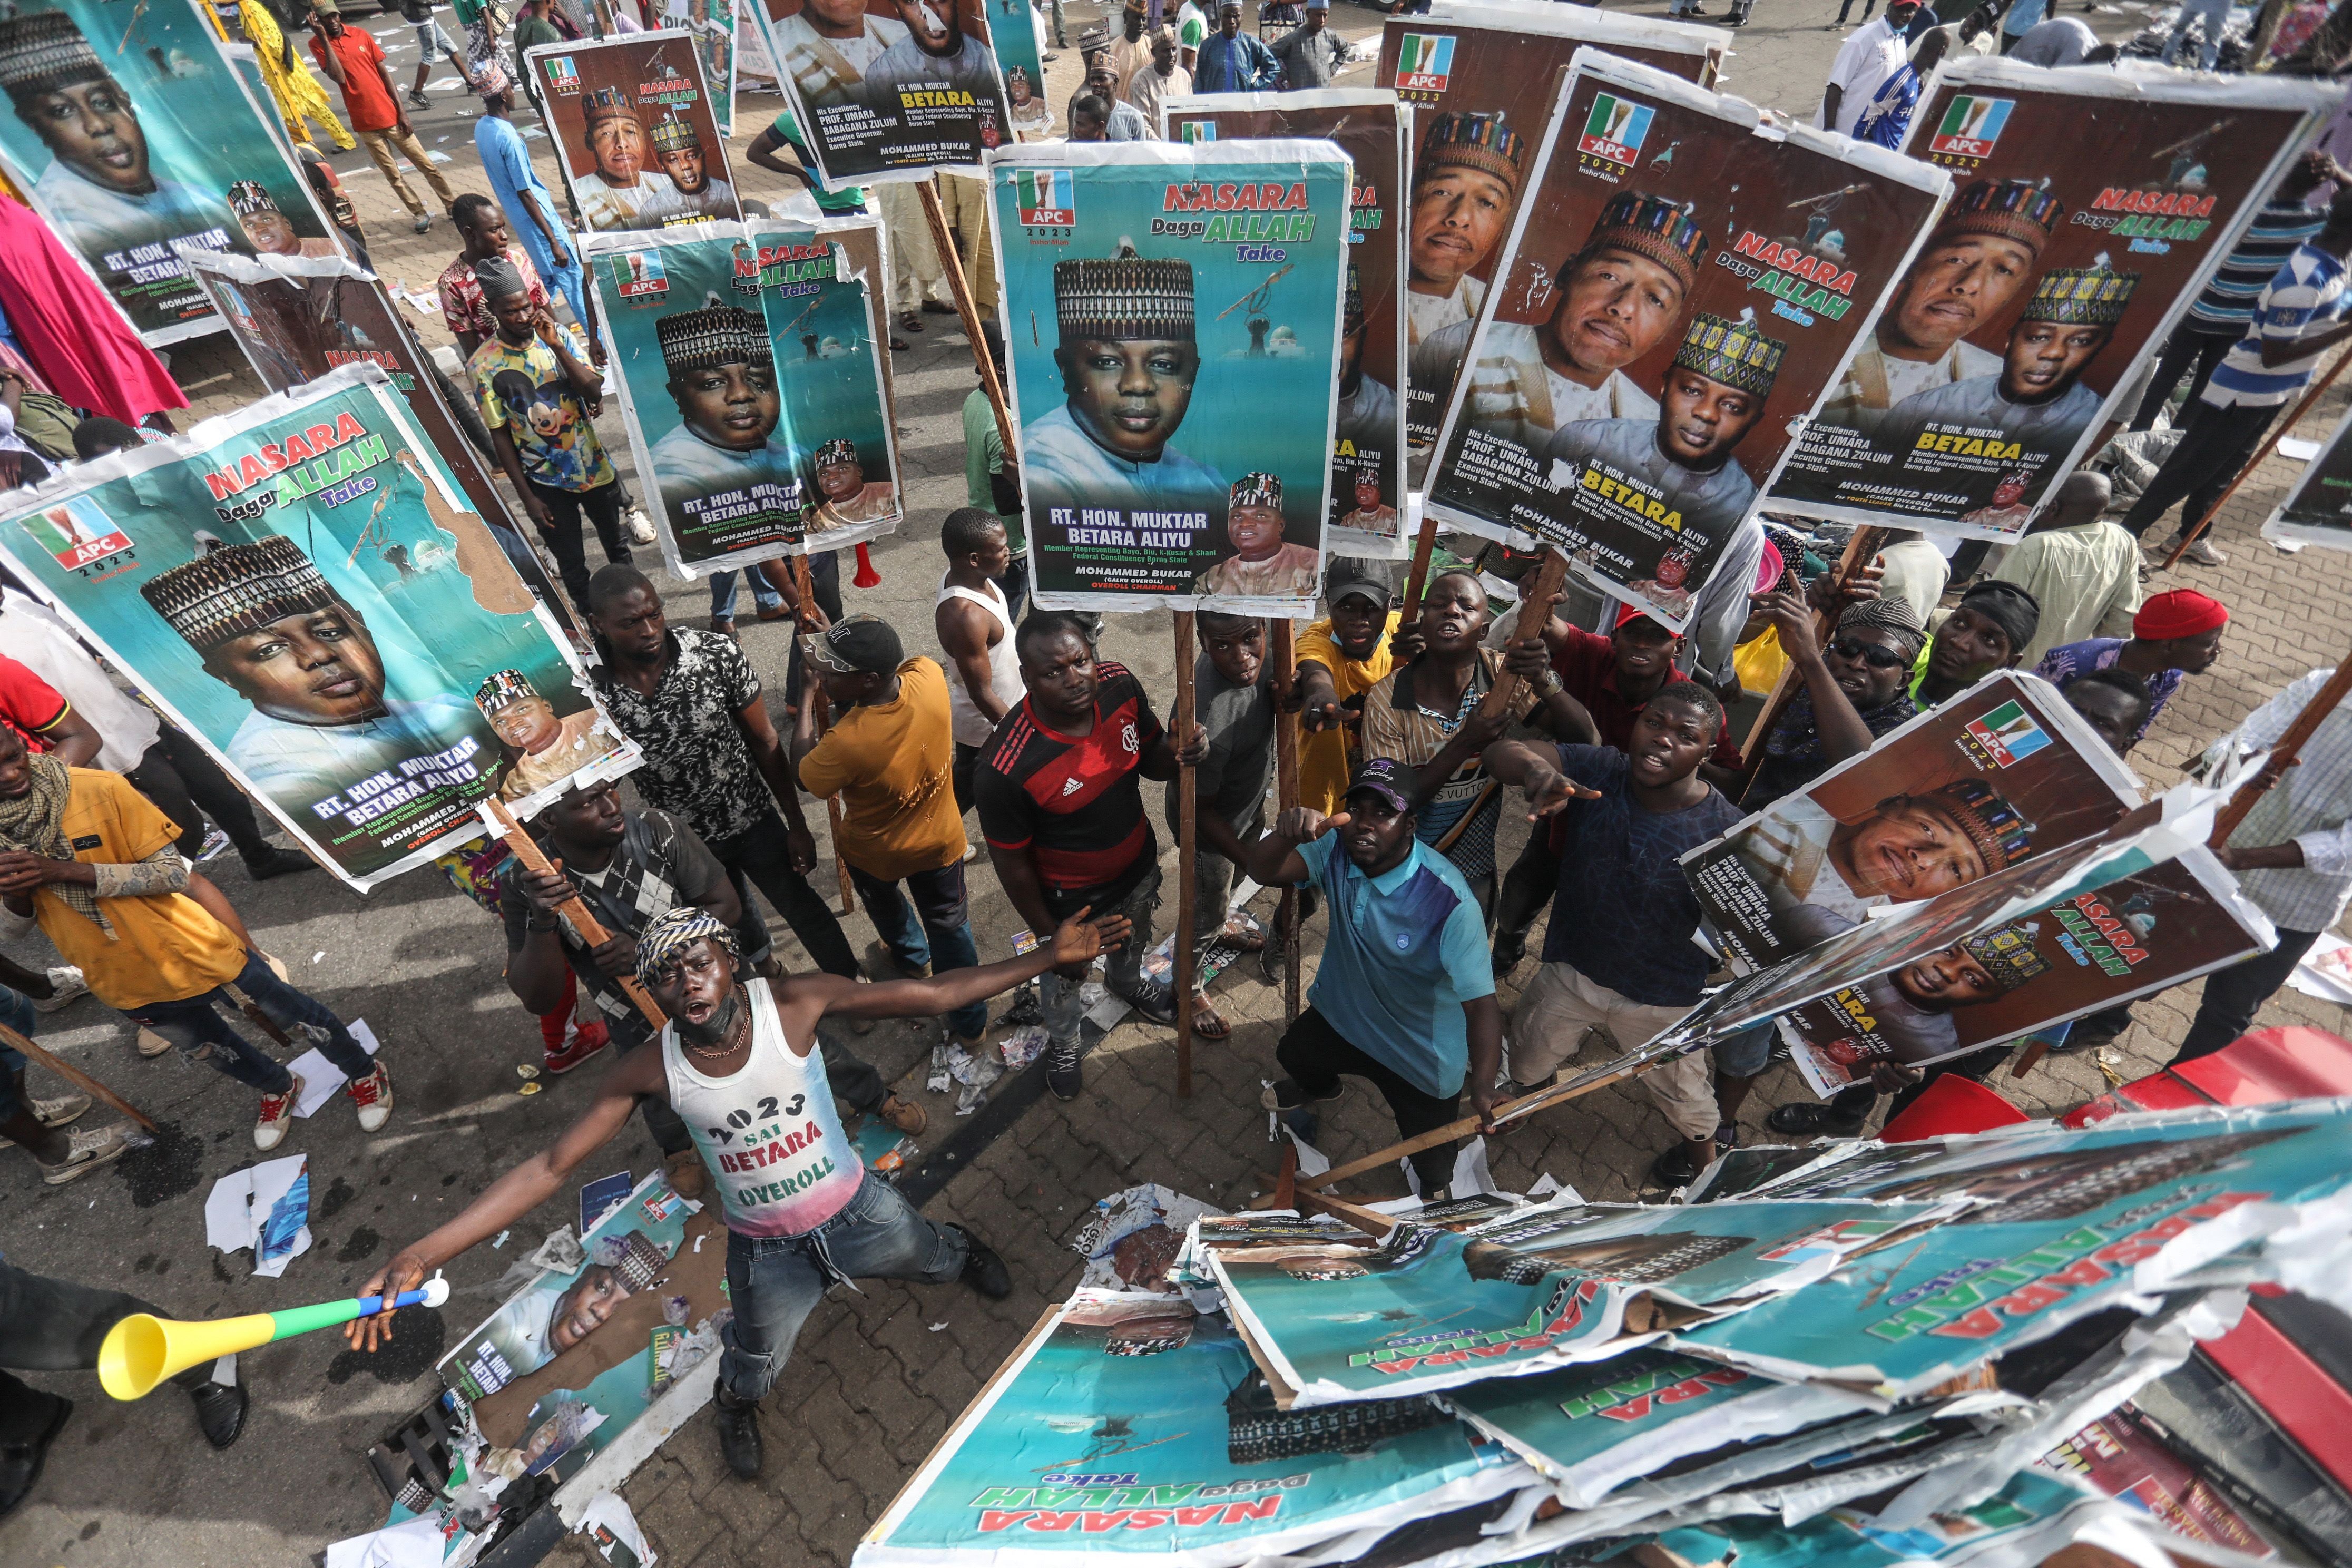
2284 756
1534 611
1424 543
1187 837
812 693
2269 444
1285 795
74 1076
952 262
590 930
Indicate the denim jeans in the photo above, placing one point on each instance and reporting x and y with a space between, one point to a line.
760 857
937 931
195 1022
17 1011
722 594
1014 585
1064 1010
775 1281
54 1325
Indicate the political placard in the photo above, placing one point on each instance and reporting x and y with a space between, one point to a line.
631 122
2318 507
891 89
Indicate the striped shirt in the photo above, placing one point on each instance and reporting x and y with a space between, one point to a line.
2312 804
1072 801
2228 302
2300 302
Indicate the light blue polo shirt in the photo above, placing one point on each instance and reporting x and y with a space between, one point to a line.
1406 949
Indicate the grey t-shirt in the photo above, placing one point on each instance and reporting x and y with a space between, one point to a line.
1232 779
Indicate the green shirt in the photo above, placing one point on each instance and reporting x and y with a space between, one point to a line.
848 199
528 34
468 11
984 454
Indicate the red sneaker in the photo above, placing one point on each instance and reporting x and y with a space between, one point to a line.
277 1115
372 1097
590 1038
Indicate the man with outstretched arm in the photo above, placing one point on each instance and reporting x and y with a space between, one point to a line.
801 1212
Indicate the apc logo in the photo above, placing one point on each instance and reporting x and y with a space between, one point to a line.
1045 198
1425 62
1970 126
563 76
1614 129
639 274
1197 131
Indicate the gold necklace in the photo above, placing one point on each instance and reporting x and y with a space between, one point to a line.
727 1047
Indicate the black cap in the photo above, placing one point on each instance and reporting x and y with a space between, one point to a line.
1388 778
862 645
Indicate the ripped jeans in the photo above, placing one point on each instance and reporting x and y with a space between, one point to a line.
195 1022
775 1281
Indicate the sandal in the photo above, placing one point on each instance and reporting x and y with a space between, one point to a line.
1208 1024
910 321
1240 936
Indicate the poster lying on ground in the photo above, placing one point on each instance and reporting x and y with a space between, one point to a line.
1173 325
1481 80
2318 508
631 122
1678 295
127 131
1130 1424
301 586
750 382
2089 209
1368 481
895 88
711 23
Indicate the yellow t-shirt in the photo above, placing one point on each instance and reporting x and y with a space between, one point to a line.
166 948
892 765
1326 762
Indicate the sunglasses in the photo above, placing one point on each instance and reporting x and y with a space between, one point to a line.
1869 653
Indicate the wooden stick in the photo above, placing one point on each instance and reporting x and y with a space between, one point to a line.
1187 849
590 930
1371 1222
74 1076
812 693
1285 795
952 262
1417 576
2284 756
2269 444
1534 611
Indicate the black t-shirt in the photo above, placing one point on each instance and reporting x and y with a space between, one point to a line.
1074 801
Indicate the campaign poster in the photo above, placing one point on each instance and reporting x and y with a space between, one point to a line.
2318 508
891 89
711 23
2034 1518
631 122
566 1363
297 318
751 390
130 133
302 587
2128 1457
1368 432
1019 60
1679 295
1481 80
1132 1424
2088 209
2002 772
1172 324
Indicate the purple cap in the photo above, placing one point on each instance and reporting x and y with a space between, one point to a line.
1392 780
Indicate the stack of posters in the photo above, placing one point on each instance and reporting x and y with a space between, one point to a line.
632 123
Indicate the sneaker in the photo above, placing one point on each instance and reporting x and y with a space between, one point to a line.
1509 948
982 1269
1061 1070
637 526
1155 999
87 1148
1026 1009
903 1114
216 843
738 1435
585 1042
372 1097
1675 1168
276 862
277 1115
21 1461
424 222
1284 1094
57 1113
66 986
2204 554
151 1044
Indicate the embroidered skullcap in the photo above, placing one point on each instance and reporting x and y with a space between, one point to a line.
675 135
2008 954
2092 296
1650 226
503 690
1355 307
1735 354
1256 490
490 79
669 934
500 278
606 103
42 52
1457 139
1892 617
237 589
837 451
2022 210
1998 830
717 334
2182 613
636 1259
1124 298
246 197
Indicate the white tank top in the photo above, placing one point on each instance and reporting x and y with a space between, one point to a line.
972 727
770 1133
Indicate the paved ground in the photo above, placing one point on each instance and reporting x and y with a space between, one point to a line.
871 1386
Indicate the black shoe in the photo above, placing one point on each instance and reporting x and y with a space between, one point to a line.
738 1435
1675 1168
220 1411
1812 1121
20 1463
1509 948
1154 999
2097 1029
1061 1070
276 862
982 1269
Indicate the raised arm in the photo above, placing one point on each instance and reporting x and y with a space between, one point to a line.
1273 861
1844 734
1077 942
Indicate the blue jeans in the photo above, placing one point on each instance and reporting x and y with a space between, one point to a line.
1066 1010
17 1011
937 931
2213 14
722 594
775 1281
195 1022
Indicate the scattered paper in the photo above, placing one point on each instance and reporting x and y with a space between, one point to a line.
317 955
938 1327
1132 1238
974 1074
1470 1173
502 1241
607 1522
415 1543
1311 1160
1023 1047
321 1077
2295 449
937 1080
2326 971
699 1241
266 1207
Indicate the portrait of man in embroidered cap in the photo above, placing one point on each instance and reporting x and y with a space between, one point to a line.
1366 418
538 1325
829 46
266 227
271 628
845 499
1905 848
541 749
936 55
1911 1007
1466 185
1709 398
102 185
1128 360
619 187
1980 256
1261 565
1649 1259
1617 297
1369 516
723 376
695 193
1033 118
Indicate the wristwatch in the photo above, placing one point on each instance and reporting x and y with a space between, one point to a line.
1549 686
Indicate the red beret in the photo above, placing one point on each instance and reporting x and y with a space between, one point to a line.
2183 613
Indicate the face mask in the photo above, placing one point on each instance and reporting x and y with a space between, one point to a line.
715 1029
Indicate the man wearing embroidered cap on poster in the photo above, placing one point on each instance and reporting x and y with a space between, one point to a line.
1465 183
544 750
276 632
1369 515
267 228
2173 636
101 189
847 501
1261 565
723 376
619 187
1618 299
1905 849
1128 361
936 55
1970 268
693 195
828 47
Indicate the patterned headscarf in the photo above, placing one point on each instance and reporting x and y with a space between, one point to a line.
673 932
1892 617
34 824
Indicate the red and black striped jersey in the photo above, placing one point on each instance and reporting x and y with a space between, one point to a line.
1073 801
